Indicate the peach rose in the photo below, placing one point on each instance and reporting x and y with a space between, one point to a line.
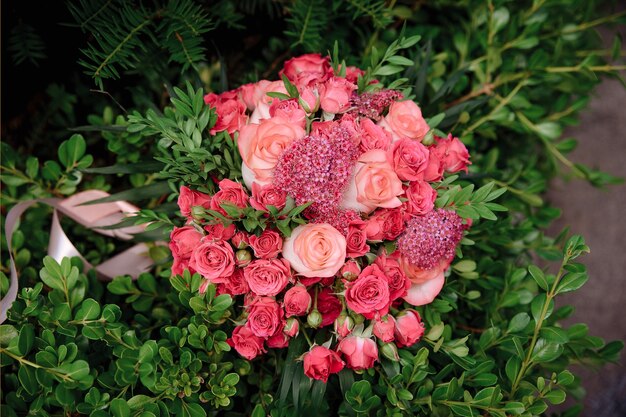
405 120
426 284
263 103
375 184
315 250
261 145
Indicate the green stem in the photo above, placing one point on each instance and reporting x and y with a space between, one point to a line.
527 363
26 362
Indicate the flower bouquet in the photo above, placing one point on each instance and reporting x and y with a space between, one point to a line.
345 218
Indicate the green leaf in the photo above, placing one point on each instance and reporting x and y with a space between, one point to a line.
555 396
26 339
89 310
545 351
514 408
7 334
72 150
512 368
28 379
538 276
554 334
119 408
571 282
518 322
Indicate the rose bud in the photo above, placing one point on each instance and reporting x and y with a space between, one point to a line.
359 352
409 328
384 328
320 362
390 351
358 318
278 340
344 325
350 271
314 319
292 327
243 258
240 240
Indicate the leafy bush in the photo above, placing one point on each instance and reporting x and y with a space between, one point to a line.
508 75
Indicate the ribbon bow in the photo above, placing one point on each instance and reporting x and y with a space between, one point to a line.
131 262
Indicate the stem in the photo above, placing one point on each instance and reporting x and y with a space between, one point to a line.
306 336
502 103
26 362
527 363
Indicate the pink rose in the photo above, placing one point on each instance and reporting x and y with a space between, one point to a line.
252 93
426 284
262 108
246 343
335 95
384 328
399 284
214 260
307 69
183 240
278 340
353 73
369 294
217 231
267 276
409 328
328 305
267 195
231 116
292 327
320 362
343 325
350 271
235 284
375 184
356 240
420 198
289 110
297 301
268 245
189 198
373 136
385 224
261 145
410 159
453 153
405 120
309 99
230 192
315 250
359 352
240 240
264 316
434 169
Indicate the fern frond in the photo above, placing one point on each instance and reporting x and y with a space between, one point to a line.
307 23
26 45
183 25
117 42
376 10
86 12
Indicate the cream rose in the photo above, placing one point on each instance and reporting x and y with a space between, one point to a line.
375 184
261 145
315 250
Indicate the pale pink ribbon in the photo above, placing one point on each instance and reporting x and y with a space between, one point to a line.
131 262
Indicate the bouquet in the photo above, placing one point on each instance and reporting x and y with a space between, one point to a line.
343 218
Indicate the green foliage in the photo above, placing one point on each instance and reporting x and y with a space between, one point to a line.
128 31
26 45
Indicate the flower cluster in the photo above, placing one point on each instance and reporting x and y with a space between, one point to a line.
360 163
